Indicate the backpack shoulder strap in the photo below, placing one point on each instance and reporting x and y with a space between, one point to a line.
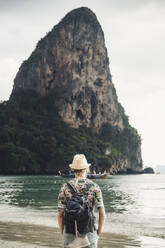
73 191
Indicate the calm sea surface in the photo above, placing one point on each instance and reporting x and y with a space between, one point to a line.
135 204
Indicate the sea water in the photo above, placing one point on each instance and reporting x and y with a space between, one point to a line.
134 204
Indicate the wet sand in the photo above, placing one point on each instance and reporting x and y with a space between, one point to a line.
13 244
19 235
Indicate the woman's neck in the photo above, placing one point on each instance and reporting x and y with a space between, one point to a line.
80 178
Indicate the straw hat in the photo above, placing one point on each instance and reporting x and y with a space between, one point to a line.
79 162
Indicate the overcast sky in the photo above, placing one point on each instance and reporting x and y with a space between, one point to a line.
135 38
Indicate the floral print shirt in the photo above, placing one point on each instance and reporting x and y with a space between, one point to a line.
86 186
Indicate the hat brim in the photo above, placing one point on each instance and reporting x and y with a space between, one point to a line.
80 168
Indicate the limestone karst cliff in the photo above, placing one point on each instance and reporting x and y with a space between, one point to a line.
71 64
72 61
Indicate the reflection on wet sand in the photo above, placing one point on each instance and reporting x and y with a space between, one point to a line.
108 240
32 234
50 237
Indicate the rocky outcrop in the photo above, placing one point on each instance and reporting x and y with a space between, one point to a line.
72 61
71 64
148 170
124 166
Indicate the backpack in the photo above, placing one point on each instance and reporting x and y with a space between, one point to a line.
78 209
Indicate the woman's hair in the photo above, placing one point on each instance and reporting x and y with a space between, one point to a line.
80 174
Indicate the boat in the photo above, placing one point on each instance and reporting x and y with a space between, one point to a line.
97 176
66 175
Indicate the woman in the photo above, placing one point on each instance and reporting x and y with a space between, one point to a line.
80 167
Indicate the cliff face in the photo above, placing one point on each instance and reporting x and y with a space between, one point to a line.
72 61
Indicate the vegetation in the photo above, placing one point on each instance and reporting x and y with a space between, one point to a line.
34 139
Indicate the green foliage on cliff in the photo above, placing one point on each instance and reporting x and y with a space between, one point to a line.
34 139
124 142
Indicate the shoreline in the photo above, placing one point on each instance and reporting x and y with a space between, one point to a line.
119 173
18 235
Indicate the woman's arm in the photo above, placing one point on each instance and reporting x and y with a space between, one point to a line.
60 220
101 220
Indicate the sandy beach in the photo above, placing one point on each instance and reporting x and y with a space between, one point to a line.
27 235
13 244
19 235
